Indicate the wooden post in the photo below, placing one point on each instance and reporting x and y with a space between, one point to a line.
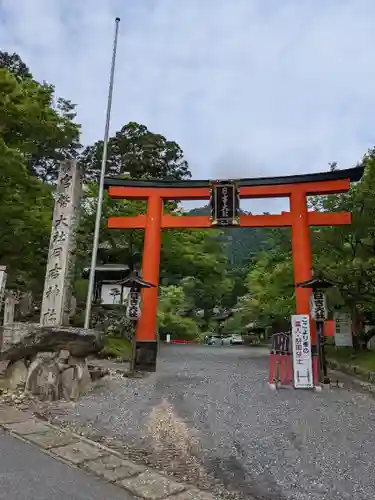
146 334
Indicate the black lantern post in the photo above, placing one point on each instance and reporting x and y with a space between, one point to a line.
319 312
133 312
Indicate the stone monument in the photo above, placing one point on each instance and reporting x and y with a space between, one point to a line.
57 293
3 280
10 302
49 359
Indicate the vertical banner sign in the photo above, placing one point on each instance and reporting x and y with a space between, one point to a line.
343 329
225 204
133 309
318 306
302 360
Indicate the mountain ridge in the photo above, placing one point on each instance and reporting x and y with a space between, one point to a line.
241 243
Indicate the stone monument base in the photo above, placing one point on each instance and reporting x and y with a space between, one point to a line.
50 362
145 356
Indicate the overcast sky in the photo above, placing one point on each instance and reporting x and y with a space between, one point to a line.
246 87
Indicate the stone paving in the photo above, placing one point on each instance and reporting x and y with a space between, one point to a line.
143 482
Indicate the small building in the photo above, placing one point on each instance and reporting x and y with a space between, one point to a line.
108 288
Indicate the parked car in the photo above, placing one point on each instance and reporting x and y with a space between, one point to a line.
234 339
213 340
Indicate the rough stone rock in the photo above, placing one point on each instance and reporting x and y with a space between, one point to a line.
78 341
44 379
54 376
15 375
76 379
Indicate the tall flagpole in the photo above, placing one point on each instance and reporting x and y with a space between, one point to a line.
101 183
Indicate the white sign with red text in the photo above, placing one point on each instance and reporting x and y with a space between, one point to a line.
302 358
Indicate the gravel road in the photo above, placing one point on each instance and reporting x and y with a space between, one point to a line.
208 416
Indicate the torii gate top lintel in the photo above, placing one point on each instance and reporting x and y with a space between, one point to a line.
334 181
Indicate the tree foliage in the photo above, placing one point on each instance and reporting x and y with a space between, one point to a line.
342 254
37 122
173 300
136 151
200 270
14 64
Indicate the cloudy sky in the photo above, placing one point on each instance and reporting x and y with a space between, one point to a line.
246 87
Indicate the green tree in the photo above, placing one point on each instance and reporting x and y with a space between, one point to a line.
197 260
60 138
136 150
14 64
346 254
269 298
172 301
27 119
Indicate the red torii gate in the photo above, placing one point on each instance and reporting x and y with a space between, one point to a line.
296 188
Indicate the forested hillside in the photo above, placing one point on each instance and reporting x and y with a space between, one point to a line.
240 243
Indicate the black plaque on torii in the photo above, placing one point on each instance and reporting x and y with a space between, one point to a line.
225 203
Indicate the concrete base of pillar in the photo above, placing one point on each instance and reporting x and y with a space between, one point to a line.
145 356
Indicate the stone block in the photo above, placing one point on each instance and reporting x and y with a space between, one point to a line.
194 494
79 452
75 380
113 468
10 415
52 439
145 356
151 486
78 341
44 378
31 426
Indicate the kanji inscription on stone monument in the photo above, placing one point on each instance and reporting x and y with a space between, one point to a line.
57 285
3 279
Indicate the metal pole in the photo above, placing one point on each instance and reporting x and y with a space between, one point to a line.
101 184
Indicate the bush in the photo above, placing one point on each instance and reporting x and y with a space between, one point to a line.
115 347
180 327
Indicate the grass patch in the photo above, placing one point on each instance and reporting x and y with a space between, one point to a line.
115 347
364 359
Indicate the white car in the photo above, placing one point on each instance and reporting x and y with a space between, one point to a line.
232 340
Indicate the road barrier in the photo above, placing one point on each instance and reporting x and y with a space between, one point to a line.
281 361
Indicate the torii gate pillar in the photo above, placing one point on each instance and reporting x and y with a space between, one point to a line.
146 344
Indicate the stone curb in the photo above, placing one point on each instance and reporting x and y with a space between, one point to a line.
359 376
95 458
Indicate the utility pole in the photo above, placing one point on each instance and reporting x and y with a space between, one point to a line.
101 183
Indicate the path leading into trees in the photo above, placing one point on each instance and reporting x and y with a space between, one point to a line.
208 415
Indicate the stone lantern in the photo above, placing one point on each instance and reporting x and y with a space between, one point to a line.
134 284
